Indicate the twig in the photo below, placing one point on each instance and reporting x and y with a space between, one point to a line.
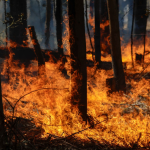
19 133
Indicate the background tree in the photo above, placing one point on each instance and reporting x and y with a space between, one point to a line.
58 15
78 56
37 51
18 10
91 14
112 6
2 127
97 32
140 22
105 46
140 19
47 24
92 8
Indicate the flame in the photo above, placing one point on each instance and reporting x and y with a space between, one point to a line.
119 119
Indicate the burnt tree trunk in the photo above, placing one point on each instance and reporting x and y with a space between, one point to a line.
91 12
38 51
140 22
91 7
17 31
58 16
97 32
2 127
132 34
105 34
78 56
47 24
115 44
91 31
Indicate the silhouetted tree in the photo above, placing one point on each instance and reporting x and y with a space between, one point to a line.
97 32
2 127
92 8
115 44
140 22
105 46
47 24
38 51
78 56
18 10
58 15
140 19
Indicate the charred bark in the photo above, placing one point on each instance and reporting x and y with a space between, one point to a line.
140 22
17 31
97 32
87 26
91 27
2 127
58 16
38 51
140 19
105 34
132 34
78 56
115 45
48 17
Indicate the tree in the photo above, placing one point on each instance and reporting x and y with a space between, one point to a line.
47 24
78 56
140 22
115 44
18 10
140 19
97 32
58 16
38 51
91 12
105 46
2 127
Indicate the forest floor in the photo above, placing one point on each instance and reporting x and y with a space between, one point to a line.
24 134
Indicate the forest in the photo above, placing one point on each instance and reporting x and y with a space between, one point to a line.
74 74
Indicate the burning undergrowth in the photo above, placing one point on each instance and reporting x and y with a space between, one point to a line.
118 119
39 113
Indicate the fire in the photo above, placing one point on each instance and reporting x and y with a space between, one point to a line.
120 119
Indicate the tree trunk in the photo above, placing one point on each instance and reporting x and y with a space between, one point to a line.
140 20
132 34
58 16
38 51
78 56
18 10
115 44
97 32
2 128
105 46
92 7
48 17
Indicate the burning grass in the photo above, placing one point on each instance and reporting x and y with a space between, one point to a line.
41 109
119 119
